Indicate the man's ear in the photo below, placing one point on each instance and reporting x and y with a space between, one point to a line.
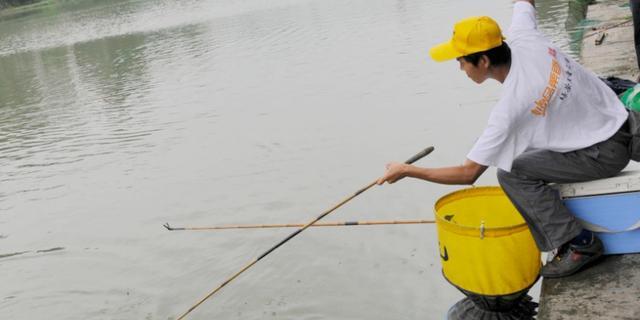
484 62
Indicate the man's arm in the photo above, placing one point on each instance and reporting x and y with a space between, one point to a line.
523 18
533 3
467 173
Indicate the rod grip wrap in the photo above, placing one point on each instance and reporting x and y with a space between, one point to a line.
420 155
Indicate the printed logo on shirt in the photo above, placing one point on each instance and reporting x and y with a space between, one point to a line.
541 104
566 89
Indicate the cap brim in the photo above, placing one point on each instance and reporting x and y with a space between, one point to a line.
444 51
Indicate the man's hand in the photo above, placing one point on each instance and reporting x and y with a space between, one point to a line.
395 171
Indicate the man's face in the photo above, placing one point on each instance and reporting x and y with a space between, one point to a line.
477 73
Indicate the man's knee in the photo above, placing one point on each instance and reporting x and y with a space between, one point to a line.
504 177
510 178
521 163
525 165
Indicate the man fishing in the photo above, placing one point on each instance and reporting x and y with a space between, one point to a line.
555 122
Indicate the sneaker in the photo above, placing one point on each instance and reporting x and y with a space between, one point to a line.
571 258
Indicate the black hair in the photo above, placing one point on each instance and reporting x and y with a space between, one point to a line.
500 55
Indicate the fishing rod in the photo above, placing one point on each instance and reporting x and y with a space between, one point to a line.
606 28
295 225
413 159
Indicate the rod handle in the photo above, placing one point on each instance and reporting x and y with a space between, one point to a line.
420 155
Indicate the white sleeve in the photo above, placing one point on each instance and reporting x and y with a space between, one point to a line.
496 146
524 17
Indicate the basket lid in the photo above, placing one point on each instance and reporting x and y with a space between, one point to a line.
626 181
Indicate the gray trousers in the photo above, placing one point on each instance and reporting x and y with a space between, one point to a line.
526 185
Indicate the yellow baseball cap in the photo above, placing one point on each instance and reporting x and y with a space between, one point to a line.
470 35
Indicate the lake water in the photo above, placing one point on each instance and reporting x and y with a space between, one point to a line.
119 116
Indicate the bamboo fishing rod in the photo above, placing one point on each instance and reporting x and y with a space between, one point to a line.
413 159
597 31
297 225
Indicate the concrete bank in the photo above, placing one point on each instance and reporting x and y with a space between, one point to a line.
611 288
615 55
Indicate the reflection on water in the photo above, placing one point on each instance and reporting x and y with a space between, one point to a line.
69 104
563 21
118 116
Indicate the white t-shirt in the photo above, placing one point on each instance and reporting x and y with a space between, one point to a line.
547 102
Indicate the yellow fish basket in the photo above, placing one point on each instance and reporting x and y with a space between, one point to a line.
486 247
